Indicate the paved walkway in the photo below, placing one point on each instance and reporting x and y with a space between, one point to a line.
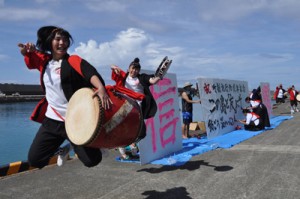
264 167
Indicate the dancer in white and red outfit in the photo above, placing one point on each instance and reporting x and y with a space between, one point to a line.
259 108
279 94
136 85
293 93
61 76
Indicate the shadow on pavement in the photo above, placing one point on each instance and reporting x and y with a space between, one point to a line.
191 165
178 192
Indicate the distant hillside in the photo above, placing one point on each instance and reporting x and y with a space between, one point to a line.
23 89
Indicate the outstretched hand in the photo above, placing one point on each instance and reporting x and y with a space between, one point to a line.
116 69
27 47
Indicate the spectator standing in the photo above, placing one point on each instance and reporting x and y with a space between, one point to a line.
187 108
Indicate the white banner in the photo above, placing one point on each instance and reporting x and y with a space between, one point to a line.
222 103
163 130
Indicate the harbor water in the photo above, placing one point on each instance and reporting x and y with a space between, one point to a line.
17 130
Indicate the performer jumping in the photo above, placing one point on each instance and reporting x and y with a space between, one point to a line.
137 85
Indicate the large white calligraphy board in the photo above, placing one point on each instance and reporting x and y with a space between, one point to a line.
266 96
163 131
222 103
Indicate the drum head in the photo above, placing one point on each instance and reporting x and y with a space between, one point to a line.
82 117
162 69
298 97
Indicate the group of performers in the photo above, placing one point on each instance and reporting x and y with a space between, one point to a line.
61 75
281 94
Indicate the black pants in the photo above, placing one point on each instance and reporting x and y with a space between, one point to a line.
280 100
294 103
252 127
48 139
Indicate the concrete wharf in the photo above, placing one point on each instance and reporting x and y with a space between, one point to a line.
263 167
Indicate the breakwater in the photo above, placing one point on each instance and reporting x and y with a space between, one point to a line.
22 89
10 93
20 98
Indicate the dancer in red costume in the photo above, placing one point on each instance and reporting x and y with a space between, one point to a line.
136 85
293 101
279 94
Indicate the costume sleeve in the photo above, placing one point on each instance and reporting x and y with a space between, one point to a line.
276 93
35 60
145 79
119 79
84 68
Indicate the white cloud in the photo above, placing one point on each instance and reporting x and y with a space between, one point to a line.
123 49
187 63
225 11
111 6
20 14
284 8
126 45
3 57
217 38
48 1
236 10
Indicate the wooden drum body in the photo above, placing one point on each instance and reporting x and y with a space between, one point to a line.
88 124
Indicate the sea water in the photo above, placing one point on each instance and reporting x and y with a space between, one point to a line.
16 131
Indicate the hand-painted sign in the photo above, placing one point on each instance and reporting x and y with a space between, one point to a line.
163 130
222 103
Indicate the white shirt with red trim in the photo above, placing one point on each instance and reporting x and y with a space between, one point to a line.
57 102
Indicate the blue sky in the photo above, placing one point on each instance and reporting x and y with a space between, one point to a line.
252 40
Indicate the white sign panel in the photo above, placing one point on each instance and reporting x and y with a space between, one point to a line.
222 103
163 131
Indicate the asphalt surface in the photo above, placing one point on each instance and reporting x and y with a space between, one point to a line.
263 167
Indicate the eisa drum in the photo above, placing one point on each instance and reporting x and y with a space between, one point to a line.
89 124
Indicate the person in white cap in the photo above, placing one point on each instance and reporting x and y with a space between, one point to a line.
187 108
